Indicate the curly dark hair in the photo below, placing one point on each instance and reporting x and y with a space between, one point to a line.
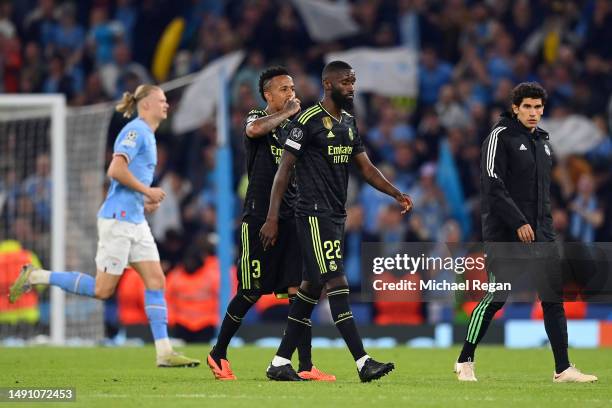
267 75
528 90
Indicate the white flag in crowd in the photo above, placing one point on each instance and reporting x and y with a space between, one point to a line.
199 100
573 134
386 71
326 21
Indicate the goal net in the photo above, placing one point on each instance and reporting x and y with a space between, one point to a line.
51 186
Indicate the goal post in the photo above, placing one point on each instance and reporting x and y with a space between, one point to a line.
58 214
72 142
13 106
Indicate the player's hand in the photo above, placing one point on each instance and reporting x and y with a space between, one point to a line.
525 233
150 207
268 234
292 106
405 201
155 194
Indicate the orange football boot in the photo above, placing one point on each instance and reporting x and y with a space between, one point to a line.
222 373
316 375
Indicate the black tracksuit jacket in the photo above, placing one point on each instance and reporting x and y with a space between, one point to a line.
515 180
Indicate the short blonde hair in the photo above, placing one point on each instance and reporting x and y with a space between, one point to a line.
129 102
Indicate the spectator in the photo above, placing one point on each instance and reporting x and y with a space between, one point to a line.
355 235
33 69
440 304
94 91
390 129
7 28
404 162
68 36
429 134
391 229
40 23
12 257
192 290
114 73
101 36
10 63
410 19
586 214
248 75
168 217
600 29
450 112
58 81
38 188
126 14
433 74
499 61
373 201
9 194
429 203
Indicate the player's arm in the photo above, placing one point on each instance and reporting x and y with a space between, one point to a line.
494 165
264 125
269 231
375 178
120 171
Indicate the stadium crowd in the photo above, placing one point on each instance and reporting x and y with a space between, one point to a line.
471 53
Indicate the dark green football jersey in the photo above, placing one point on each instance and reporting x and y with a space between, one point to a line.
263 156
325 147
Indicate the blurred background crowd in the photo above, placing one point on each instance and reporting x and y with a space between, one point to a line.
470 55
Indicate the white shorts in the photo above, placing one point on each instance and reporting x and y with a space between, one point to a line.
121 243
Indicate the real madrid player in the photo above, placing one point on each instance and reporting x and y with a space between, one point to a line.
322 142
516 166
124 237
277 270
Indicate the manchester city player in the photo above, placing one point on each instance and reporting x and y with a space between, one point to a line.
124 237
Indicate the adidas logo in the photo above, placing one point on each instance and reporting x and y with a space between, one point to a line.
522 147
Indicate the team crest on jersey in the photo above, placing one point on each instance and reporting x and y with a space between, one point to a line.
547 149
296 134
332 266
351 134
130 139
327 122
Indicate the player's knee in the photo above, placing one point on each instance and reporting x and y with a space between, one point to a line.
249 298
156 283
335 282
103 292
312 288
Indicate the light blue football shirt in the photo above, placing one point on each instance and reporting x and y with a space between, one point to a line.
136 142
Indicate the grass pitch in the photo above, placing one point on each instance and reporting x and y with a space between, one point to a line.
127 377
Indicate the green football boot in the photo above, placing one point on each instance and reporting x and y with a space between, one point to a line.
21 284
176 359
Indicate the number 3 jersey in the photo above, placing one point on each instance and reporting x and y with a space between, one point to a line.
324 146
